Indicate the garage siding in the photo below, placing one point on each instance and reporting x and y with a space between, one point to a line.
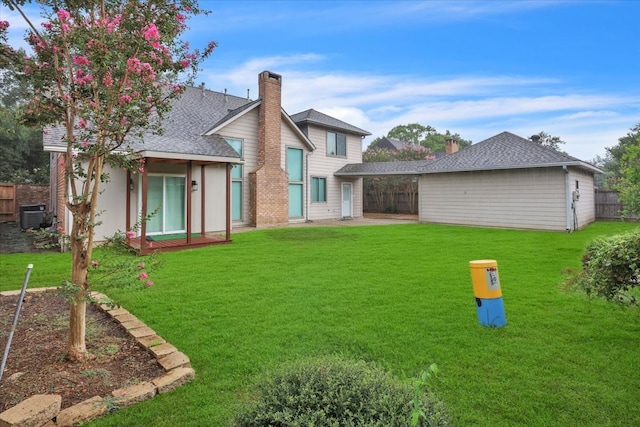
585 206
515 198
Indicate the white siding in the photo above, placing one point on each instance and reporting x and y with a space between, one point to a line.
111 205
518 198
323 166
585 208
215 198
245 128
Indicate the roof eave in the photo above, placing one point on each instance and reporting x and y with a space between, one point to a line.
361 132
402 173
193 157
531 166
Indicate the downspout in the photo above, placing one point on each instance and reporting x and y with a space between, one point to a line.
308 189
567 192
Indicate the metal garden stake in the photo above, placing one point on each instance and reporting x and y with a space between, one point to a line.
15 318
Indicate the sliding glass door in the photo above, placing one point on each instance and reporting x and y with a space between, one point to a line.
166 196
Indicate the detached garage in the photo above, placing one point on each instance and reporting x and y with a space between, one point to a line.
511 182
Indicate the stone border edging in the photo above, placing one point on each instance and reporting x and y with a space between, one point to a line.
44 410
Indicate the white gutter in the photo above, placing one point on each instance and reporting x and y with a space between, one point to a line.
567 191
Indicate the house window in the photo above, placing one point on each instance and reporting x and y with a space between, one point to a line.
318 189
336 144
295 170
236 181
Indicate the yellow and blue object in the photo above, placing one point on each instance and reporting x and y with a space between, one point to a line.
486 287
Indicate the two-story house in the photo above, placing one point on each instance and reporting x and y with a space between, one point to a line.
225 161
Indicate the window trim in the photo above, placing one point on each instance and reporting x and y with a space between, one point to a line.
315 179
337 154
295 183
238 179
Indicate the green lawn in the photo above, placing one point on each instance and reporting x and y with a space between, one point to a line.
398 295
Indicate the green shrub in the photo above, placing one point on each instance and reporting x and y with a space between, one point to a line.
611 267
332 391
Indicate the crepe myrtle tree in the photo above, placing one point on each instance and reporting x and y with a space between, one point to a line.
105 72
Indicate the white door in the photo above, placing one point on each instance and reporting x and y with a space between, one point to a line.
347 205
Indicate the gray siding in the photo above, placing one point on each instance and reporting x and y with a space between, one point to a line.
514 198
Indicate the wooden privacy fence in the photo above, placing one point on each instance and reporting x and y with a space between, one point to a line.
7 202
12 196
609 206
398 202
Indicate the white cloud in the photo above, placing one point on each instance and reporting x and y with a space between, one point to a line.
476 107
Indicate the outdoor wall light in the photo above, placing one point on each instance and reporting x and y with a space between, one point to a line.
131 184
194 185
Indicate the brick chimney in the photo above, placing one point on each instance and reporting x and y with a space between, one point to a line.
451 146
269 183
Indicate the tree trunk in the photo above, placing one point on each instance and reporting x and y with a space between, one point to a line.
76 348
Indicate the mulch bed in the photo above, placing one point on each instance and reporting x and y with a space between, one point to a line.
36 363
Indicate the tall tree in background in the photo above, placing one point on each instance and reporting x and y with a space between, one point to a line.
414 133
629 165
546 140
22 158
612 162
104 71
425 136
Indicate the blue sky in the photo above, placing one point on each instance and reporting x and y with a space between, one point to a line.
475 68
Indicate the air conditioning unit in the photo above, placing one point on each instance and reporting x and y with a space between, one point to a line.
31 216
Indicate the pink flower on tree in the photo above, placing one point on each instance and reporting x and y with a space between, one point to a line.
125 99
107 80
80 60
4 25
152 35
63 15
84 144
151 32
130 234
133 65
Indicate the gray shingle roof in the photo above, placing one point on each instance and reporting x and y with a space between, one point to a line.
192 114
318 118
197 111
411 167
504 151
